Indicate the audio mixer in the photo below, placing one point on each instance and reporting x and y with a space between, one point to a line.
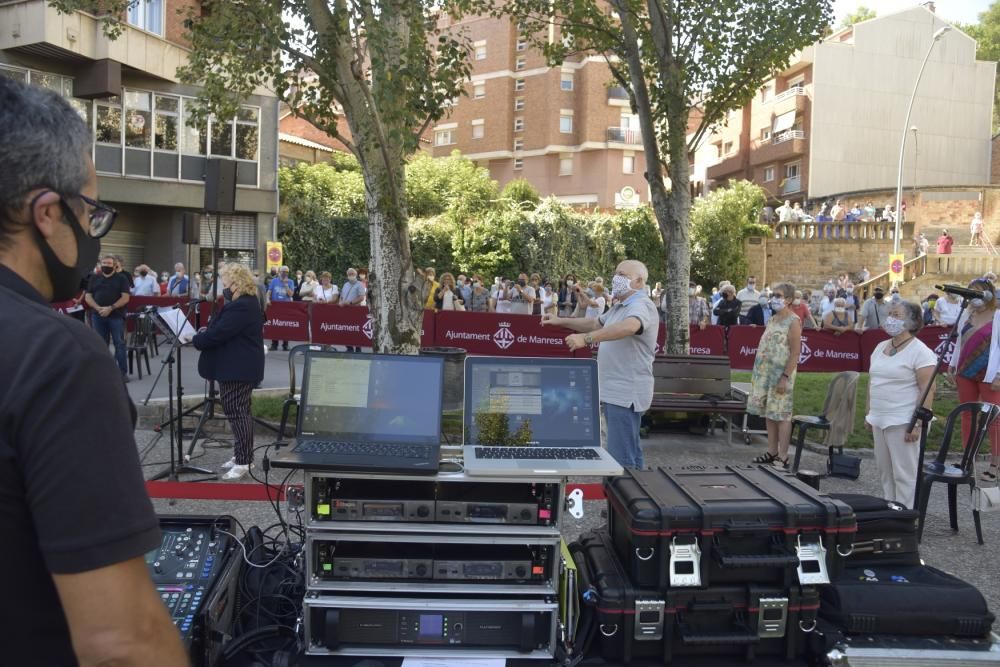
194 571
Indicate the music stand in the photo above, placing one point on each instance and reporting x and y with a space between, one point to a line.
173 324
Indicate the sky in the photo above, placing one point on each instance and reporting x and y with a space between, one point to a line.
958 11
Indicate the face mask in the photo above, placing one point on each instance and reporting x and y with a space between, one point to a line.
164 277
840 310
570 283
690 291
66 279
762 300
107 270
620 286
879 296
796 302
777 304
977 303
352 279
751 285
893 326
227 294
143 273
274 272
895 297
178 274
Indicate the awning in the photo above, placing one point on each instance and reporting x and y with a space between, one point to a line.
784 122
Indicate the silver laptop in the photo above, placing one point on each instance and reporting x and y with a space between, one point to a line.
548 407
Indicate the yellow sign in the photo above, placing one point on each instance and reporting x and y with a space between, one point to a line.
275 254
896 267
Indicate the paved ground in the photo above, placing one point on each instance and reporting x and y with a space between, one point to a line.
955 553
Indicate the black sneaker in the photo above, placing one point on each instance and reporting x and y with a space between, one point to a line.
274 348
285 347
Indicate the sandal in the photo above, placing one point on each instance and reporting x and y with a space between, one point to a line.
990 474
765 458
780 463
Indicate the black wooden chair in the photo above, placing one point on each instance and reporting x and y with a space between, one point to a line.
137 345
982 416
294 395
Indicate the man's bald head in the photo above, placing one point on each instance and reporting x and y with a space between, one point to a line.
633 269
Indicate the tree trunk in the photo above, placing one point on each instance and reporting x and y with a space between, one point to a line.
675 228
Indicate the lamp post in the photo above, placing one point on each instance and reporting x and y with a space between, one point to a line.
902 144
916 161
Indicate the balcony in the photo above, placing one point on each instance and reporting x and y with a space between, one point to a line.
732 164
784 145
33 27
624 135
794 99
617 97
791 185
788 94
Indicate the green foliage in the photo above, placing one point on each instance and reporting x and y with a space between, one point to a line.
431 243
860 14
987 36
453 184
520 191
720 222
493 428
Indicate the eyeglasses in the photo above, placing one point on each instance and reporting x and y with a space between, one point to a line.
101 217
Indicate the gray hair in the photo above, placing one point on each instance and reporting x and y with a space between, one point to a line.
787 289
44 144
914 320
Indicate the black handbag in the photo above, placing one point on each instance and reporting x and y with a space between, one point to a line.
839 464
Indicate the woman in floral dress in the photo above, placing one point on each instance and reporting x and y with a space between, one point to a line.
774 375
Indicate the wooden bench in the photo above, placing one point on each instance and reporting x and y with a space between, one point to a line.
699 384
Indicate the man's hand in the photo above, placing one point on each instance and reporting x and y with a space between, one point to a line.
548 319
702 325
576 341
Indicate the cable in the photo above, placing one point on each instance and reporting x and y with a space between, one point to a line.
246 558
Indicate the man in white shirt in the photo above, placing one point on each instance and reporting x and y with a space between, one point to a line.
145 283
748 298
786 212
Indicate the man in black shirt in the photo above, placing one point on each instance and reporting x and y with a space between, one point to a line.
75 518
107 294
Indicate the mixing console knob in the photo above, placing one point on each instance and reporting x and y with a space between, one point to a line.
521 571
421 570
423 511
157 567
525 514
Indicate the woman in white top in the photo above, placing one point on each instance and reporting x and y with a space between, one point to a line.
946 310
307 292
976 229
901 369
326 291
595 304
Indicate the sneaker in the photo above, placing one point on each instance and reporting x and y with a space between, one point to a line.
237 472
229 464
953 471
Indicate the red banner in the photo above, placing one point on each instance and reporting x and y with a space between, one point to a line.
936 338
869 340
499 334
742 346
710 341
333 324
287 320
824 351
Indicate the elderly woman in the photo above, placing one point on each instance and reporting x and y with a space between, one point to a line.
975 362
727 311
901 369
232 353
447 296
839 320
800 306
774 375
307 288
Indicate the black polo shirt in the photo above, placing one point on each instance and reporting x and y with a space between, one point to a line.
72 497
108 289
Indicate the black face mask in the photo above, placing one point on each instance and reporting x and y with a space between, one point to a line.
66 279
227 294
143 273
107 270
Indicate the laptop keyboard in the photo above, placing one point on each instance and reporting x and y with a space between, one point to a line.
373 449
538 453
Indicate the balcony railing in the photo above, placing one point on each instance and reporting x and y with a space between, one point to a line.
843 231
791 185
791 92
624 135
788 135
617 93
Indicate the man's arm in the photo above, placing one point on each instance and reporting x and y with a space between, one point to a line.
122 300
132 625
577 324
627 327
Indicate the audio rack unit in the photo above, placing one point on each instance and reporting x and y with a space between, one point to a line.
493 564
430 627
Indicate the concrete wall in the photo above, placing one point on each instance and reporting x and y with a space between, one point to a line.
859 106
809 264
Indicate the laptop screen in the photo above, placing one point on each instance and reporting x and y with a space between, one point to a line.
550 402
372 398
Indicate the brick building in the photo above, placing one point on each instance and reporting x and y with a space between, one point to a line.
150 159
829 123
300 141
561 128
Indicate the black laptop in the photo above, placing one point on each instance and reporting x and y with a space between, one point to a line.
367 412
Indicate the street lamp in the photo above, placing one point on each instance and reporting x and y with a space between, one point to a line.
916 161
902 144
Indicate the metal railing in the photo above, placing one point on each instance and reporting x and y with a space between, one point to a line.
617 93
836 231
912 269
624 135
791 92
791 185
788 135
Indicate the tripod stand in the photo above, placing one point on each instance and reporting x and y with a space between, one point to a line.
178 464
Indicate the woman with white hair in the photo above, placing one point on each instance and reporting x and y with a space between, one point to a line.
839 320
901 369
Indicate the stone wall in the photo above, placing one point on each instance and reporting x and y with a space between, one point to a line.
810 263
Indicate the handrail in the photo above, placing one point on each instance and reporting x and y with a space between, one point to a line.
791 92
788 135
884 280
836 231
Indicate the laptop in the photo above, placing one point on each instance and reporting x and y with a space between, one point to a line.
549 407
367 412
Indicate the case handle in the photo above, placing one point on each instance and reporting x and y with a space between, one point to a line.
740 636
696 606
780 556
841 552
639 555
614 630
807 627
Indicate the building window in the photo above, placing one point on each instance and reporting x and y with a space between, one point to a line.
768 174
518 145
167 112
14 74
478 129
522 44
566 124
765 135
628 164
792 170
566 165
480 48
727 148
767 92
519 125
518 84
478 91
221 133
147 15
443 138
194 140
520 63
247 133
566 81
518 104
109 121
138 119
518 164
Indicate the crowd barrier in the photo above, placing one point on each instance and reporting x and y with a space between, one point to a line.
524 336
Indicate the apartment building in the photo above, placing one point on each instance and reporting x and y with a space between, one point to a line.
561 128
830 123
150 157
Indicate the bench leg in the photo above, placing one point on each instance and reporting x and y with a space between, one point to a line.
729 429
800 443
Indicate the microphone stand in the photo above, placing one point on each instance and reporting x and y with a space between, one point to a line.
922 414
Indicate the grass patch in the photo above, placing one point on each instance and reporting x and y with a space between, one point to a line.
810 394
268 408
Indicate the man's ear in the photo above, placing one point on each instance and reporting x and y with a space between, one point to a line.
46 213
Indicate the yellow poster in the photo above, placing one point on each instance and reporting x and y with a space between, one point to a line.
896 267
275 254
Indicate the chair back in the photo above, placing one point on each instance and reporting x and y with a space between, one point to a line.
295 352
839 407
982 416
